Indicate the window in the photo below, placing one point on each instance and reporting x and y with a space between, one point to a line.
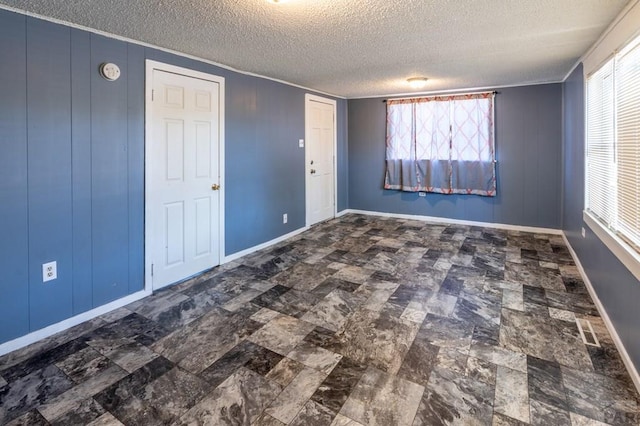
613 146
441 144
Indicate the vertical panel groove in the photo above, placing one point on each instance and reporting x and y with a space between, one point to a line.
26 96
135 126
81 170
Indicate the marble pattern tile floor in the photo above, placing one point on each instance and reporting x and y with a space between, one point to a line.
358 321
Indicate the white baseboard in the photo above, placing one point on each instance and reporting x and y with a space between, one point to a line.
449 221
33 337
631 368
253 249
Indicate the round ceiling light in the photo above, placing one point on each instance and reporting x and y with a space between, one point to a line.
417 82
277 1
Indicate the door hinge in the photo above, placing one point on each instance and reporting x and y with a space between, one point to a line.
153 94
152 269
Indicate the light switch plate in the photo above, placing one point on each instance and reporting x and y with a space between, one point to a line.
301 143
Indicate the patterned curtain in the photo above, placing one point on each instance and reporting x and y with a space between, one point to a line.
441 144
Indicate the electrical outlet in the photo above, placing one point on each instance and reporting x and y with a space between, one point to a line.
422 194
49 271
584 234
285 218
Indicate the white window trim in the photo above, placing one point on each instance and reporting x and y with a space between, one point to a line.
623 29
625 253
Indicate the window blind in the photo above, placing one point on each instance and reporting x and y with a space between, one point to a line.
628 143
600 147
613 144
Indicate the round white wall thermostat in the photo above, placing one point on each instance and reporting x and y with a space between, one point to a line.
110 71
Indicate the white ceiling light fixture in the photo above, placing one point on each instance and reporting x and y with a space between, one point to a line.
277 1
417 82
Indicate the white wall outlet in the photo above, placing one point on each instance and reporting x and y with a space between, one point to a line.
49 271
584 234
301 143
422 194
285 218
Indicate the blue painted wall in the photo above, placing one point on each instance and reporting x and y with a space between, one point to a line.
72 167
71 154
528 146
617 288
342 156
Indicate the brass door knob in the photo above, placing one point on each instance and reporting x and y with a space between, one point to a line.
215 187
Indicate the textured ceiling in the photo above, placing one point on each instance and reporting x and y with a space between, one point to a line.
358 48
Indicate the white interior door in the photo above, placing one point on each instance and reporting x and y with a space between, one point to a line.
183 178
320 155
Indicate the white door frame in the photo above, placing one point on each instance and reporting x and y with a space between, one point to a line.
309 98
148 126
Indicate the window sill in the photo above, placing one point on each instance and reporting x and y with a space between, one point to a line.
628 256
